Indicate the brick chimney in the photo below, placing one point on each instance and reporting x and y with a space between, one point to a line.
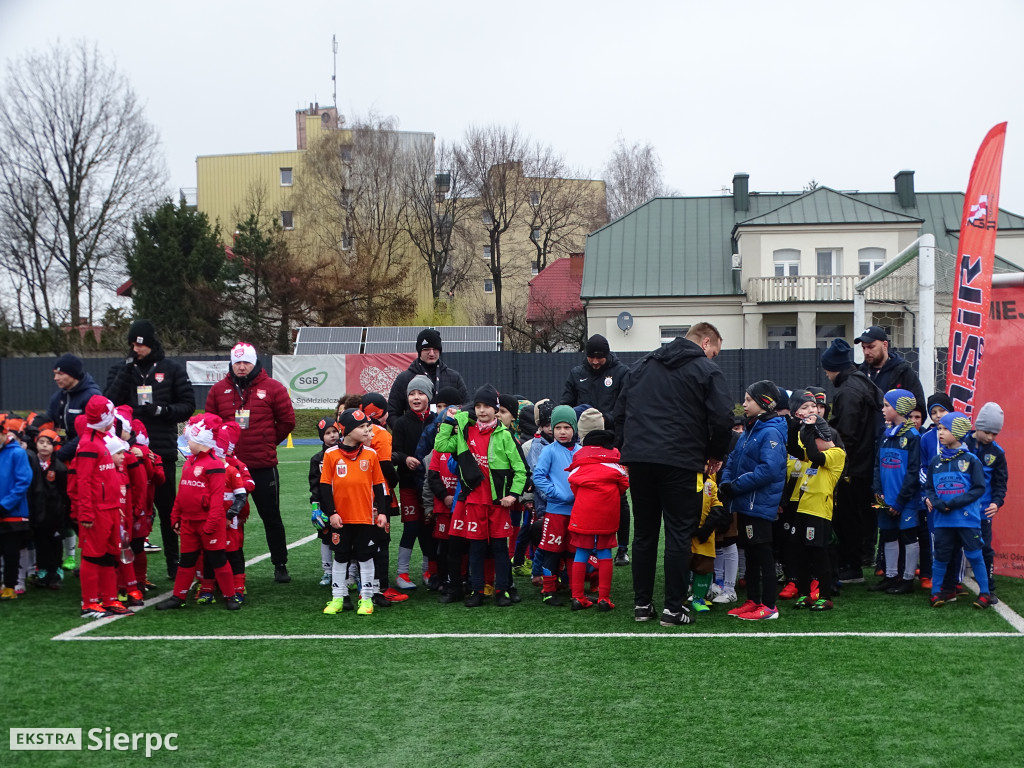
575 265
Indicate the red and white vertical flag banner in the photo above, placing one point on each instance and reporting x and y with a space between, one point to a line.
974 263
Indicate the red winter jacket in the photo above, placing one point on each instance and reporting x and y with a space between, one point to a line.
597 481
201 492
98 488
271 417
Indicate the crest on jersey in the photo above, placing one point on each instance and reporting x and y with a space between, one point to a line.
197 470
903 442
750 531
159 378
364 465
608 381
261 393
963 464
990 459
809 533
341 469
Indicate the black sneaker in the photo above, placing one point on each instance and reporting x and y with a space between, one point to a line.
851 576
643 612
513 595
433 583
232 603
170 603
552 599
669 619
502 599
885 584
901 587
378 600
621 558
475 600
451 596
281 575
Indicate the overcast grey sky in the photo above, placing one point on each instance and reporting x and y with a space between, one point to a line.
844 93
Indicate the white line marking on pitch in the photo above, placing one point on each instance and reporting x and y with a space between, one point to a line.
77 632
555 635
1012 618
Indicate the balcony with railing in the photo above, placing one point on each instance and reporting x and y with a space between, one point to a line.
799 288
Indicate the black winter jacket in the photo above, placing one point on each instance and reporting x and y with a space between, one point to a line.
172 392
674 409
897 373
856 409
442 376
65 407
599 388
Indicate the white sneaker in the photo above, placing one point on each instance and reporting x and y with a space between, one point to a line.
716 589
404 583
726 596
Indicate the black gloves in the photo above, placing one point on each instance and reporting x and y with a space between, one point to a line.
717 521
149 409
236 506
725 493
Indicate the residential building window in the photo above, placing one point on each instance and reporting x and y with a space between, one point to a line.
535 198
535 234
287 222
534 267
670 332
488 286
346 241
286 177
829 261
487 252
487 218
870 260
787 262
824 335
346 154
781 336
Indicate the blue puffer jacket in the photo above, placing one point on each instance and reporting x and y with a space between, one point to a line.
756 470
15 480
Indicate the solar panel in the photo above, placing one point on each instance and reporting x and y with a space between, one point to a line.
393 338
329 341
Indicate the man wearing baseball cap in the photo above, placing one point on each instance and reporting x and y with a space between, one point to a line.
262 408
160 394
887 369
428 363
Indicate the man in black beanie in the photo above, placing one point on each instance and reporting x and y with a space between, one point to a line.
427 363
74 388
161 397
597 382
856 416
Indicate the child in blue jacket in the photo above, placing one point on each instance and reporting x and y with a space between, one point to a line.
752 484
953 491
15 480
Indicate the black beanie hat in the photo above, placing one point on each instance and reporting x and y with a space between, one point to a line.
323 424
799 397
597 346
71 365
544 409
142 332
838 357
600 437
510 403
374 404
349 419
820 395
428 338
448 396
487 395
765 394
940 399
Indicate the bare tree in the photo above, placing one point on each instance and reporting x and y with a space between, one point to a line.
435 217
80 162
493 159
546 329
563 208
633 176
353 198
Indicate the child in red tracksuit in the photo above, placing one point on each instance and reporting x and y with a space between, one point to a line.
127 585
97 507
198 514
142 526
238 484
597 481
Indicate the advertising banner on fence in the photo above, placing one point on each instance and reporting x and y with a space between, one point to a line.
975 259
318 381
1004 340
205 373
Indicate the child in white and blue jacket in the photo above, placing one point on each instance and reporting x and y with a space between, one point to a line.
551 478
953 491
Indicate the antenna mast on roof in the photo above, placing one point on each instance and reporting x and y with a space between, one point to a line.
334 77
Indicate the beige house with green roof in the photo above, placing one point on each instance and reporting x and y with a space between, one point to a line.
769 269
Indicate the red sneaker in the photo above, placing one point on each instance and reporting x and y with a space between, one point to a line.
135 598
926 583
788 592
760 613
605 605
745 608
394 595
116 608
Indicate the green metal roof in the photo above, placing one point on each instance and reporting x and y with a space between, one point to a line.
826 206
682 246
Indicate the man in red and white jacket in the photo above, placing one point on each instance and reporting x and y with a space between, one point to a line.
263 410
198 514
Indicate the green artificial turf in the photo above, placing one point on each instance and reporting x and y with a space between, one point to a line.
656 697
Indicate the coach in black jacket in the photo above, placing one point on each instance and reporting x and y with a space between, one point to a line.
887 370
856 406
427 363
171 402
597 381
673 416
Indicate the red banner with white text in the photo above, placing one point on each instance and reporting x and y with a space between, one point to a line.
375 373
974 262
1004 341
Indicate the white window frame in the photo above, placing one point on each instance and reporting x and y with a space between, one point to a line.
489 285
535 198
487 219
487 253
836 257
287 220
286 177
873 258
788 259
824 341
669 333
780 336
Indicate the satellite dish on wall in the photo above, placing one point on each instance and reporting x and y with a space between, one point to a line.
624 321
